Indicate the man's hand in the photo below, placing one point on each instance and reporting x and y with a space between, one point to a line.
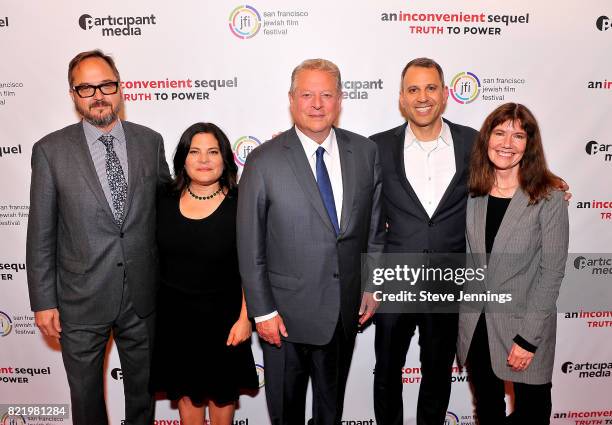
519 359
48 322
240 332
368 307
269 330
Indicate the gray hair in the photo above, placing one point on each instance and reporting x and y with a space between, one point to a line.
317 65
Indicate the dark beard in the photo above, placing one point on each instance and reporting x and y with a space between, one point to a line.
99 120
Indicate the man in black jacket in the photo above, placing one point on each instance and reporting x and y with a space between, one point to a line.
425 165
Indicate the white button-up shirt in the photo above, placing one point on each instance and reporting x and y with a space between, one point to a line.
430 166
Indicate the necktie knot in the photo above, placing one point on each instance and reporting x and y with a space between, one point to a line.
320 152
107 140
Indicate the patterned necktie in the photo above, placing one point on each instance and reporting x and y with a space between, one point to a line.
116 178
326 191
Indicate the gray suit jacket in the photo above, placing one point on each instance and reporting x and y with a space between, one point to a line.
527 261
290 258
77 256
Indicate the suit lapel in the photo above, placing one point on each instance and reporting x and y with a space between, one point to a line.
460 153
479 223
513 215
347 165
299 164
398 156
85 163
131 141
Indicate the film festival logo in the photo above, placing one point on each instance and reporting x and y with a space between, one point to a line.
451 419
7 419
117 25
6 324
603 23
243 147
245 22
465 87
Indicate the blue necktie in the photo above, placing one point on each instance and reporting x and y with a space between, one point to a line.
325 188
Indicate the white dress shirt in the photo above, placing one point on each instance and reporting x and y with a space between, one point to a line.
429 166
331 158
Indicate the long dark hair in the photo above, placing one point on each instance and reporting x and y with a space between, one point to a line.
534 176
230 169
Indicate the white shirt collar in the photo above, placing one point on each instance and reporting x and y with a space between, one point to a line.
444 136
310 146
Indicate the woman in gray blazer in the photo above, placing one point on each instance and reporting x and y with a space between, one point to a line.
517 227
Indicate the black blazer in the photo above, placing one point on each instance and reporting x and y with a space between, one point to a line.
409 228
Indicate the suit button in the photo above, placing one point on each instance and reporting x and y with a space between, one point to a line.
119 264
121 235
336 275
426 251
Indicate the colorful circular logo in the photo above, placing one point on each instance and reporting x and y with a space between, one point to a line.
451 419
7 419
465 87
245 22
260 375
6 325
243 147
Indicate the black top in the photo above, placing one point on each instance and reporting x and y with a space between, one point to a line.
496 208
198 256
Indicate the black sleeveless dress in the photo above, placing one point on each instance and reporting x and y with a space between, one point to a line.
199 301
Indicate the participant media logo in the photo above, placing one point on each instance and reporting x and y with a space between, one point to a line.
116 26
117 374
243 147
603 23
245 22
360 89
465 87
604 151
588 369
6 324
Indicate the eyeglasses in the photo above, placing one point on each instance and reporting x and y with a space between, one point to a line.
87 90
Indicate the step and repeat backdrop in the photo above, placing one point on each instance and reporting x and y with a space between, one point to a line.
230 63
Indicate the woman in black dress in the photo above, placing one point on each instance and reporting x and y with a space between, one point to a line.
202 347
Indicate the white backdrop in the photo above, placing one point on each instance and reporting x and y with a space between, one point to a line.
230 63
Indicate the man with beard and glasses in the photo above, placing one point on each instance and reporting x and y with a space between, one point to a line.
92 260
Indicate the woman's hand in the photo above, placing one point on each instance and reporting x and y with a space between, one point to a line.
240 332
519 359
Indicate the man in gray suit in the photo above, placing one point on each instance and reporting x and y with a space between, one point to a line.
308 206
92 261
